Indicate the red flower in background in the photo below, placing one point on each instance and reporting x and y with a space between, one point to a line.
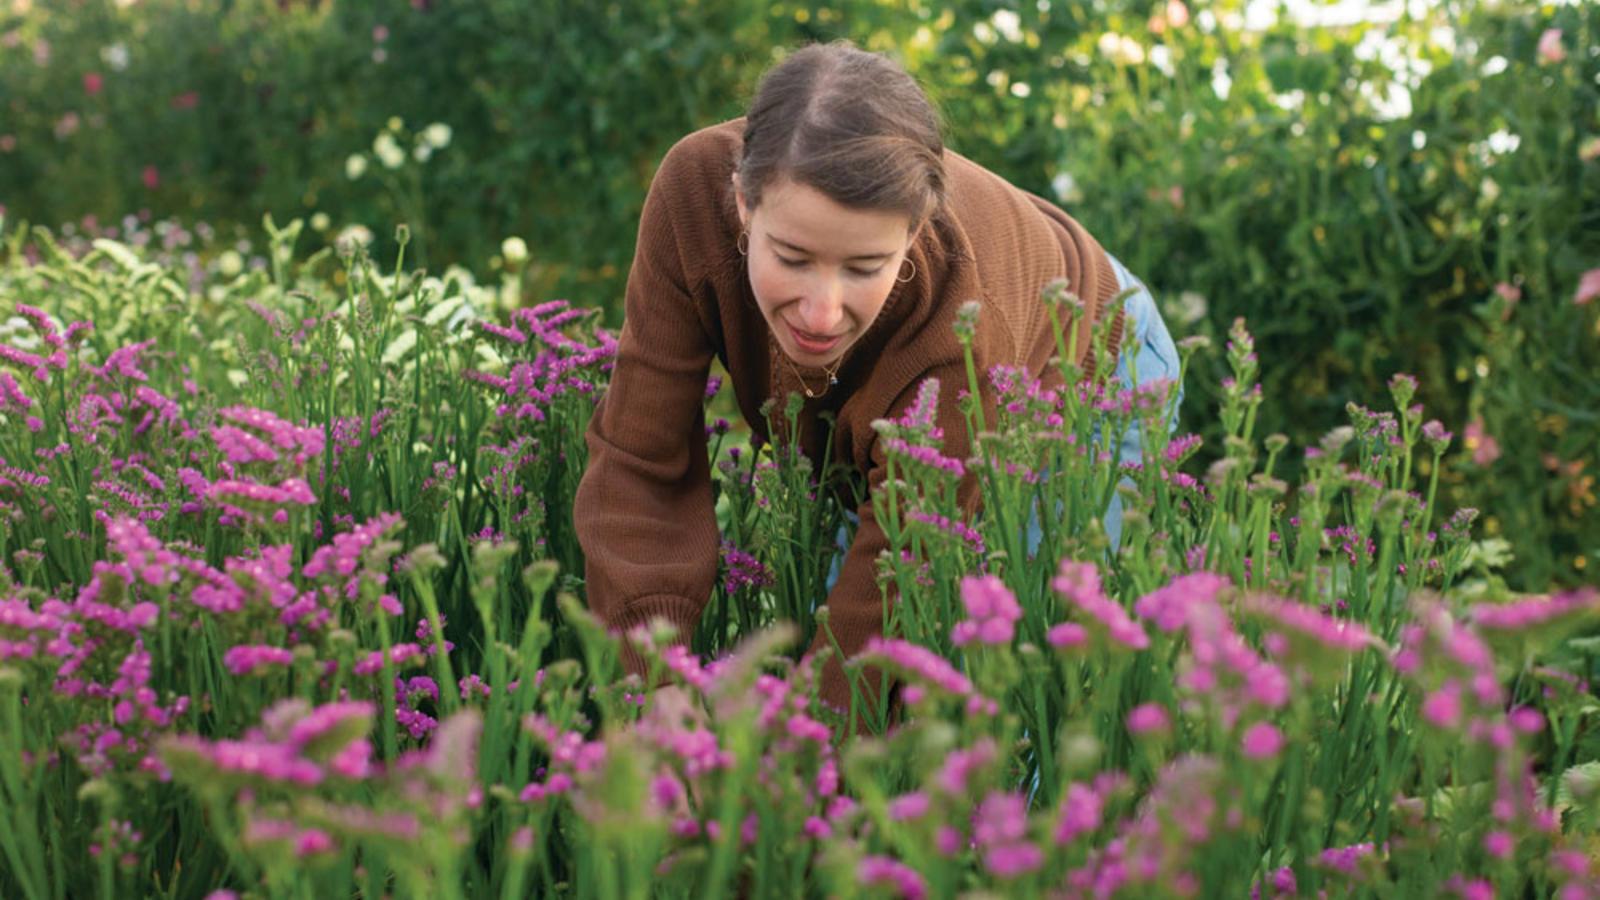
151 177
186 100
93 82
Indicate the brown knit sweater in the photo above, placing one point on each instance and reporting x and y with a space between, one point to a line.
644 512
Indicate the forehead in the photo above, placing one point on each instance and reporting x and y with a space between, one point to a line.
807 219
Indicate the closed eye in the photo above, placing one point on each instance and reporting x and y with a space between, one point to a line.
791 263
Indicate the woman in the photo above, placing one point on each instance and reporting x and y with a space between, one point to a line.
820 245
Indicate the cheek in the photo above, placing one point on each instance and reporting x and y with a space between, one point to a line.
867 300
771 285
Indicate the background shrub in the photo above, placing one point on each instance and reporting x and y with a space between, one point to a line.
1358 191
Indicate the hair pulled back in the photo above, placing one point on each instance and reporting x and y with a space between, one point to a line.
851 124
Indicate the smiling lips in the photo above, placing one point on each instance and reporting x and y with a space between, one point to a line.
811 343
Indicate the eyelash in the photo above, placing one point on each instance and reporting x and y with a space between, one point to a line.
800 264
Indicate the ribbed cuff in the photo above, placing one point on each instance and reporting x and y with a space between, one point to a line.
679 611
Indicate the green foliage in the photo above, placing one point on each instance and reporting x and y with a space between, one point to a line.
1357 192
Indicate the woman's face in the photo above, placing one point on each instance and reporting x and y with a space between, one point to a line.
820 271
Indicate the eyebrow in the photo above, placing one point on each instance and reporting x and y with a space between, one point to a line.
796 248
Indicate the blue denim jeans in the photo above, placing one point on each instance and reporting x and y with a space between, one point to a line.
1153 355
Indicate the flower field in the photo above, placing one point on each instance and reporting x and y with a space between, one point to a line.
292 608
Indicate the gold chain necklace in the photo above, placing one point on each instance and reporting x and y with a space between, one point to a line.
832 373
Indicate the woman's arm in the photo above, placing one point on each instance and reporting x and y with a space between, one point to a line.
643 510
856 603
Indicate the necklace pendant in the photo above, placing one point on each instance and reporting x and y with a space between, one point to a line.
833 380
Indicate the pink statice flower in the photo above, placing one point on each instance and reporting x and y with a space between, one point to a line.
1067 635
1536 612
399 654
1346 860
1000 830
1148 718
1261 741
1081 809
992 612
875 871
1168 606
250 659
1442 707
908 807
1079 584
955 775
922 664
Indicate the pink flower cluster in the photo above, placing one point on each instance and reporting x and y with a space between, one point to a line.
261 435
1535 612
1168 606
557 366
923 459
1455 669
920 417
1079 584
960 531
250 659
992 612
1000 831
886 871
920 663
297 746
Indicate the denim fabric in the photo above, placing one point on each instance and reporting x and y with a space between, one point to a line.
1154 355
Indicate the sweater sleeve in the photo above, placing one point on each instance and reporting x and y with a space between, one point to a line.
643 510
856 605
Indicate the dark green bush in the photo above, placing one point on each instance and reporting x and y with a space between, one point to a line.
1359 236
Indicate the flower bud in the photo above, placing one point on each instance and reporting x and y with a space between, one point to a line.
967 321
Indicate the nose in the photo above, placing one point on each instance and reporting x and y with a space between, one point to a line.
822 310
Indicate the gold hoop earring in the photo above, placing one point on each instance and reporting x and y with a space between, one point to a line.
913 271
742 242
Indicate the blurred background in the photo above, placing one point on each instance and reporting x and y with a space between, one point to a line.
1376 187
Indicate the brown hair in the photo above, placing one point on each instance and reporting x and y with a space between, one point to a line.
849 123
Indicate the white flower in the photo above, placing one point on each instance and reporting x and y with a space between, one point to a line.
230 263
396 124
437 135
388 151
400 347
1009 24
355 166
352 238
320 221
514 249
1066 188
115 56
489 360
1120 49
1191 307
421 152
